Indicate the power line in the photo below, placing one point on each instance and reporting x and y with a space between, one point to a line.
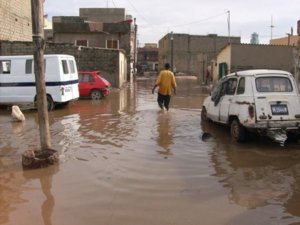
114 3
202 20
137 11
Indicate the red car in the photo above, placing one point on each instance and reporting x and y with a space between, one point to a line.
92 85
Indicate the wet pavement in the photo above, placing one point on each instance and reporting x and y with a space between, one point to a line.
124 161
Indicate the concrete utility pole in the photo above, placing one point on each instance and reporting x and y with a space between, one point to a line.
37 14
172 51
228 26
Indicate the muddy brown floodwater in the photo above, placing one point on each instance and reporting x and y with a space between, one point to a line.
125 162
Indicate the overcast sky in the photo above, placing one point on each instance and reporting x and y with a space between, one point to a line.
155 18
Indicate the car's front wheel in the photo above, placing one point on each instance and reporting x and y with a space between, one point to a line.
96 95
237 131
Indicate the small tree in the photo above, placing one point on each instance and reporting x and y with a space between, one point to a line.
37 14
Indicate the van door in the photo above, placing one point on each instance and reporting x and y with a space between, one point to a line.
227 100
275 98
214 104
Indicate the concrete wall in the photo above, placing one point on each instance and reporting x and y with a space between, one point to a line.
15 20
109 61
192 54
247 56
105 15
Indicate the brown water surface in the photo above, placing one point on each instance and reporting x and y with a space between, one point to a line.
123 161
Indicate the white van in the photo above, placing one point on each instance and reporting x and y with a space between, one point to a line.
17 80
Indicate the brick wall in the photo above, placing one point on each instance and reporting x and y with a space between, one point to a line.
15 20
105 60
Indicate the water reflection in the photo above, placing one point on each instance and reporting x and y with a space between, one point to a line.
257 173
45 176
164 133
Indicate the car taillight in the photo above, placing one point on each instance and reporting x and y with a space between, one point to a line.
251 111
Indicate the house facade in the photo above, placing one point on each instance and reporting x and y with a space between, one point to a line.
99 27
15 20
147 58
191 54
236 57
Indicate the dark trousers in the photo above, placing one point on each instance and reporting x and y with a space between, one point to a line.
163 101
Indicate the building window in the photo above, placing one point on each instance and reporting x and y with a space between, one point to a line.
112 44
82 43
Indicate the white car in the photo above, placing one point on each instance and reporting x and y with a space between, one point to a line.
263 101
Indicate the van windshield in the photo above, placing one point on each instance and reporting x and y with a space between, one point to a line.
273 84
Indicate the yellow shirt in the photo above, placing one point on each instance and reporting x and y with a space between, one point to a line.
166 81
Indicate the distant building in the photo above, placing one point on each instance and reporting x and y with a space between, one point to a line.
191 54
291 40
48 32
15 20
254 39
147 59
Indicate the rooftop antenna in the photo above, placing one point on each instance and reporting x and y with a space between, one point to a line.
272 26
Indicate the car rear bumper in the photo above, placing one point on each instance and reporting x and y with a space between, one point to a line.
275 125
105 91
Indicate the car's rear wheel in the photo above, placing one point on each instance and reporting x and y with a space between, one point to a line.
237 131
96 95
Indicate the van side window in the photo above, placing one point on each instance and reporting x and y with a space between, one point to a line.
28 66
5 66
65 66
241 87
72 66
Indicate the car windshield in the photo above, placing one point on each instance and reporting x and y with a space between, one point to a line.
273 84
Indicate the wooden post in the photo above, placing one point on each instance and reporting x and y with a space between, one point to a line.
37 14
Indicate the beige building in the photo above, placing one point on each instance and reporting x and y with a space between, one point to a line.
191 54
99 27
292 40
236 57
147 59
15 20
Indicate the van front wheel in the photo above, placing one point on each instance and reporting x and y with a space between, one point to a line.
237 131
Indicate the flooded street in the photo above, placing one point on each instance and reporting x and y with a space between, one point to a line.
125 162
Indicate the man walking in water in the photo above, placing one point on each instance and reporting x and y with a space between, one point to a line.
165 82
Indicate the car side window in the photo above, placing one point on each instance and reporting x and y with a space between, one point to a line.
86 78
231 86
216 91
219 91
241 86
